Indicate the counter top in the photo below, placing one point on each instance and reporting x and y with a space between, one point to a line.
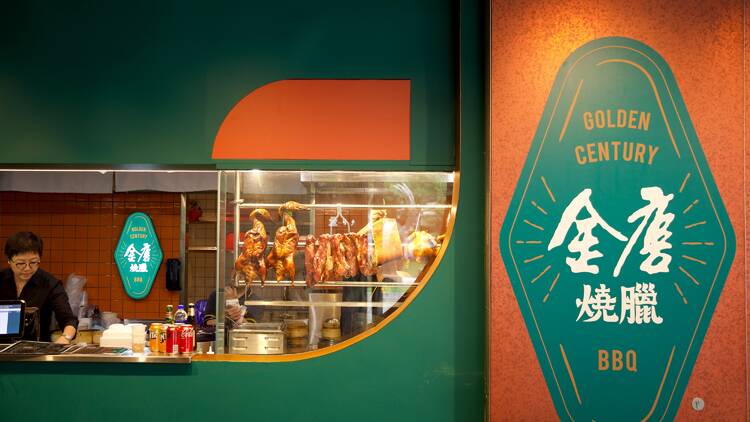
107 358
29 351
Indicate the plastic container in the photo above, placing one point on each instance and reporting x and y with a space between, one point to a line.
84 323
180 316
117 335
138 332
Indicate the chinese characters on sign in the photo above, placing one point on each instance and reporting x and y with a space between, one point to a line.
654 241
138 258
638 304
653 247
138 255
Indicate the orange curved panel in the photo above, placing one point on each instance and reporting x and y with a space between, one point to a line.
319 119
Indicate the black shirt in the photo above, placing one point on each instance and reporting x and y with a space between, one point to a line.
42 291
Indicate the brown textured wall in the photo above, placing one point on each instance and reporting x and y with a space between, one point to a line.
702 41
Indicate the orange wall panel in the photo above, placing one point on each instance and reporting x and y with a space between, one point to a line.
703 44
319 119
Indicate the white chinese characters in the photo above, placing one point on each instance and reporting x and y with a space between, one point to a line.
654 240
637 306
138 258
598 306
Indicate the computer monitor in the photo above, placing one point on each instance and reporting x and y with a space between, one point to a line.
11 320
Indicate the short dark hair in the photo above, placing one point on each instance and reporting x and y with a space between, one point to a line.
23 242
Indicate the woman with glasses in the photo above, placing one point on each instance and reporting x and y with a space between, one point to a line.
26 281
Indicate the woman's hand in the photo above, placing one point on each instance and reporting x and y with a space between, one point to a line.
234 313
232 307
68 332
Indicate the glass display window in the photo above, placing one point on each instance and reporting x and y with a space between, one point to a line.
312 259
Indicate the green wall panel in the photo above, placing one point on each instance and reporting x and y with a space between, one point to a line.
426 365
98 83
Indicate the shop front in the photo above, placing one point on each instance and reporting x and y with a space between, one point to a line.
319 169
315 179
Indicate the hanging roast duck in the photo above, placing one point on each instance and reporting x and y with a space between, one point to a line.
281 257
250 261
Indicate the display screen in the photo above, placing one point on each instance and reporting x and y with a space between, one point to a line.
11 319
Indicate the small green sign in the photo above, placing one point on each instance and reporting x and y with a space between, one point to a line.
616 240
138 255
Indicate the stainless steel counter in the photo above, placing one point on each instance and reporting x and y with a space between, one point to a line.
30 351
105 358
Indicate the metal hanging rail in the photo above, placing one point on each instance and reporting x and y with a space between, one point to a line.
325 284
302 303
301 243
243 204
202 248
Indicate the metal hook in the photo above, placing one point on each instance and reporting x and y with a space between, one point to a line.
333 221
331 224
343 219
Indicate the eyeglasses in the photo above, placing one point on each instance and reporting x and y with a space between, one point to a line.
22 265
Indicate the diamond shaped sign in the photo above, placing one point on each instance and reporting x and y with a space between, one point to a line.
138 255
616 240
